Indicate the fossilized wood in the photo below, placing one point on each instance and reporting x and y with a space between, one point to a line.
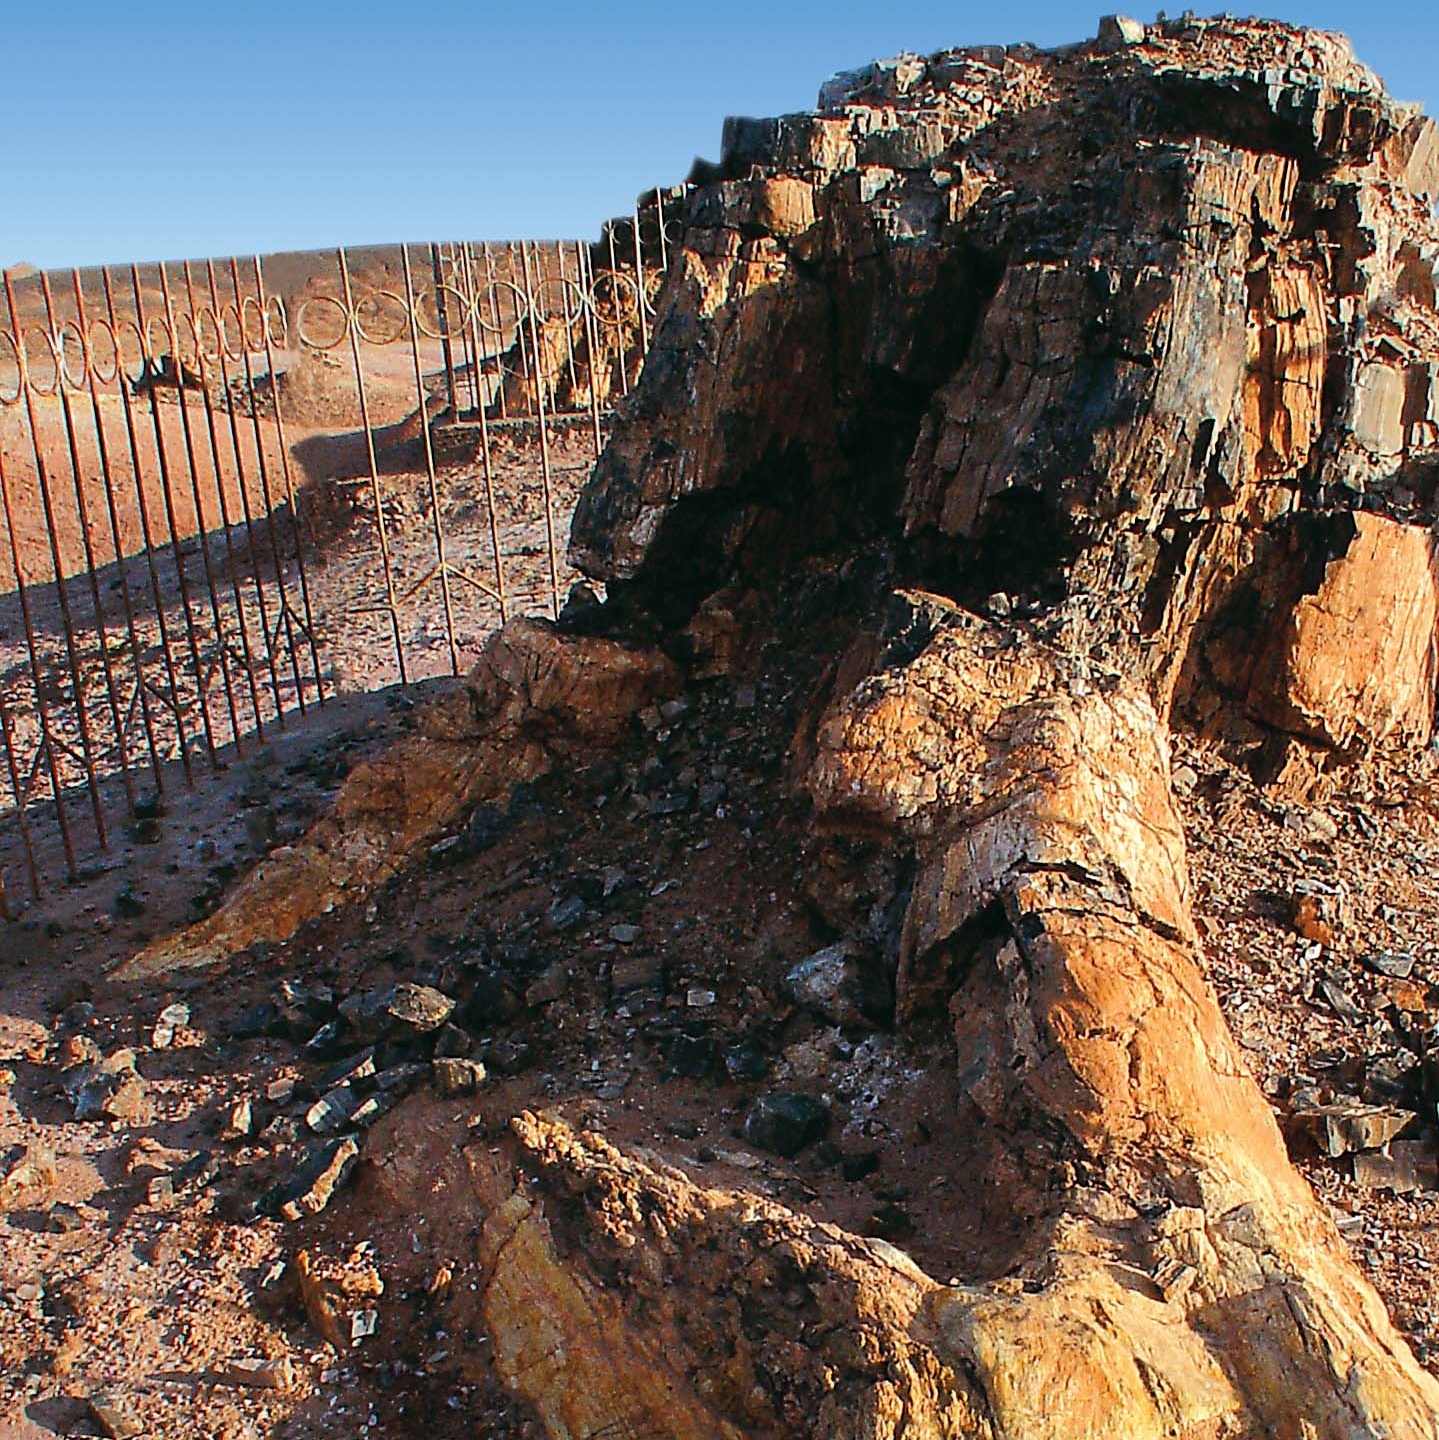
534 699
1089 327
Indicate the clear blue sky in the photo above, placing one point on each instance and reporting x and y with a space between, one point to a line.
143 130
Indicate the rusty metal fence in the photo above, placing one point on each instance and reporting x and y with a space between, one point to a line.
227 493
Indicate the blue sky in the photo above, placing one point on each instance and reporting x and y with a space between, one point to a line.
142 131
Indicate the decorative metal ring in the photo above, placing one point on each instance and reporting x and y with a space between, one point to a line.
167 333
119 333
318 302
197 357
277 322
372 301
505 300
232 331
108 371
254 324
458 318
59 342
7 397
27 369
612 309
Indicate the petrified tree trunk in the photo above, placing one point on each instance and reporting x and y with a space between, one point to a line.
1142 335
1181 1281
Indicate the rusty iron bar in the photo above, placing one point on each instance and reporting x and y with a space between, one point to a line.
12 768
465 263
290 495
640 288
82 509
618 322
177 554
660 226
352 326
437 271
546 481
441 560
282 619
592 340
147 534
107 473
42 708
62 593
202 527
498 322
563 281
482 405
243 486
217 470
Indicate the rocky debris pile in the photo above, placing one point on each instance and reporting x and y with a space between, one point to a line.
535 698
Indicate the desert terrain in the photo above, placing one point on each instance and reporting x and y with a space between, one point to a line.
934 937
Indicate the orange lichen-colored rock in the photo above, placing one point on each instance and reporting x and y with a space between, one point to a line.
1358 659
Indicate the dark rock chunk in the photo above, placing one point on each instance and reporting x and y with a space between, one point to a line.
692 1056
397 1011
843 984
323 1171
784 1123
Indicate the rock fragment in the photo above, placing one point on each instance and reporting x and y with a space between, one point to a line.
320 1175
784 1123
403 1009
455 1076
29 1179
1346 1126
115 1417
842 984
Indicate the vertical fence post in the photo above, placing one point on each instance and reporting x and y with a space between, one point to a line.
108 472
147 531
62 593
296 526
442 564
391 605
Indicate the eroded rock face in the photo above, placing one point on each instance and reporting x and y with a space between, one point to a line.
1089 327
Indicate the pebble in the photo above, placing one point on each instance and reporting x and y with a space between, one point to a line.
260 1374
170 1019
115 1418
454 1076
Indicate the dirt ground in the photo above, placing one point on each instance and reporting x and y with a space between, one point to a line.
615 941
